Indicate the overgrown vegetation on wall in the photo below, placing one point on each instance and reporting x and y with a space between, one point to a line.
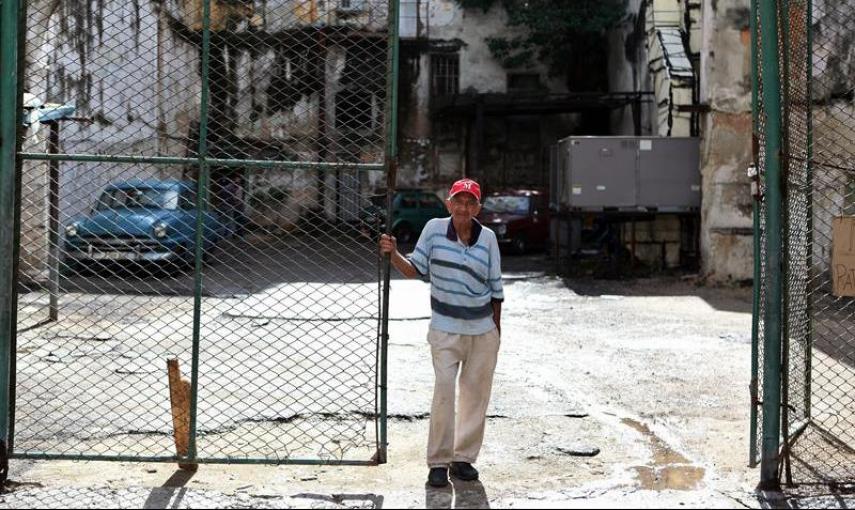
569 36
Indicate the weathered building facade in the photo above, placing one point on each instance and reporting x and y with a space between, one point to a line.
281 88
463 113
293 80
695 58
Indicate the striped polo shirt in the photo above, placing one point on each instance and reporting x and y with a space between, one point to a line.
464 279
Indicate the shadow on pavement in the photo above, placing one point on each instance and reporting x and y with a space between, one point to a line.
171 493
240 266
457 495
725 298
809 496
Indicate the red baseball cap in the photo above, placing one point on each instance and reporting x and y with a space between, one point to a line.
466 186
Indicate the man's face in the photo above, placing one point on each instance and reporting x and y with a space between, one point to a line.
463 206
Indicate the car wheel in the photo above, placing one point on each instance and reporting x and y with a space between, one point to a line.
211 255
404 234
184 260
520 245
71 267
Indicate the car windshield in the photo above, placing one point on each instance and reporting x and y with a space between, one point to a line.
138 198
507 204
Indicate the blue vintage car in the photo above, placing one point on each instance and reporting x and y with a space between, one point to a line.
144 220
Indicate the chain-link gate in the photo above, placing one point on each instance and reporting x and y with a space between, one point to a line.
805 341
197 185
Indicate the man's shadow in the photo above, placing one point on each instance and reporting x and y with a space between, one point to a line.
458 494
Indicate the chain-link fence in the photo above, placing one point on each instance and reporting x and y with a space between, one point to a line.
817 373
201 180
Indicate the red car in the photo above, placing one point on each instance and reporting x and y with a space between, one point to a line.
520 218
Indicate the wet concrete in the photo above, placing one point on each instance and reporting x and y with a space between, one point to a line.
669 469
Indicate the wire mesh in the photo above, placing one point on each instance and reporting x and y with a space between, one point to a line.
213 182
797 209
818 397
825 452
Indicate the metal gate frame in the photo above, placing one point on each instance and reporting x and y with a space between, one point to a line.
801 169
769 306
12 19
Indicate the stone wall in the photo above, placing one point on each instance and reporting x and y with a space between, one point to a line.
726 222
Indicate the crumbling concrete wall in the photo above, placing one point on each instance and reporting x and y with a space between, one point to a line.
480 72
726 219
657 243
113 62
725 85
726 237
628 70
434 151
34 174
133 68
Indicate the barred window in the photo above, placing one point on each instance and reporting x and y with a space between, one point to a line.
444 74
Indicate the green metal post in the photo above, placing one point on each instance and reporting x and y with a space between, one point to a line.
755 314
16 255
391 178
9 122
16 261
774 236
755 342
809 340
784 54
201 212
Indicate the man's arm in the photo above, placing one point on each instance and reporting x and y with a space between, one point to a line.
497 315
495 278
389 245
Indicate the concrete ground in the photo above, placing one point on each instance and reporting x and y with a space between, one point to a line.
607 393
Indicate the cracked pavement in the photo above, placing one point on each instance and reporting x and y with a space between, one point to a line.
607 393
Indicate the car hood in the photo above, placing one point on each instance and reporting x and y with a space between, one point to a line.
491 218
123 222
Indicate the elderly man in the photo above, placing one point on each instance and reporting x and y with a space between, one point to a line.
461 259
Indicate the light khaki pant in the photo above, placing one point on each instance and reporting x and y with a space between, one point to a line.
474 358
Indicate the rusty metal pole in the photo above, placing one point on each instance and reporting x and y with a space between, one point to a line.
179 398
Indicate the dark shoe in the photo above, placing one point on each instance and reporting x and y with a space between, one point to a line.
438 477
464 471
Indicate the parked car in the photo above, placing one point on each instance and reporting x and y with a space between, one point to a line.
144 220
520 218
411 210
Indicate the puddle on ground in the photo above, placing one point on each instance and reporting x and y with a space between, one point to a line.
678 478
670 470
